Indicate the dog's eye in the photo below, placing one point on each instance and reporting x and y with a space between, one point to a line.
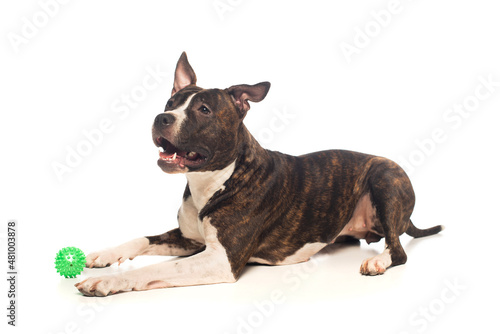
169 103
204 110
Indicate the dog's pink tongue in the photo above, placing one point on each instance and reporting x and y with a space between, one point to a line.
165 156
170 158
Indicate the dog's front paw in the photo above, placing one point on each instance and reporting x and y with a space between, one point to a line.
104 258
102 286
118 254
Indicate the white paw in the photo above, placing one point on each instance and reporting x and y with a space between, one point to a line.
376 265
372 267
104 258
118 254
103 286
136 280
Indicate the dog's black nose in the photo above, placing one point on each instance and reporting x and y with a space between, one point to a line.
163 120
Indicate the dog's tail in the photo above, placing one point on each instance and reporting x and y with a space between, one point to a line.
418 233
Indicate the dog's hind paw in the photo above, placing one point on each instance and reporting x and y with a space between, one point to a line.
376 265
372 267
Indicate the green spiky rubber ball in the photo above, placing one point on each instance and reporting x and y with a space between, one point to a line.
70 262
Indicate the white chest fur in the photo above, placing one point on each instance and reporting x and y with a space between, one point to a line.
202 185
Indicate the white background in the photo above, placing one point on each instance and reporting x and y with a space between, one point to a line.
70 74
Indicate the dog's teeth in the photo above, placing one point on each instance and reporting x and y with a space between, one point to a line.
191 154
175 156
161 149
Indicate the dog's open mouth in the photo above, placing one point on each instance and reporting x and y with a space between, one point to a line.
173 155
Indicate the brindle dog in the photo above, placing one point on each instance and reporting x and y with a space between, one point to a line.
243 203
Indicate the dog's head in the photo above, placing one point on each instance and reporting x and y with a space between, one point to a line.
198 131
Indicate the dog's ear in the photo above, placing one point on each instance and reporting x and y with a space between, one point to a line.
241 94
184 74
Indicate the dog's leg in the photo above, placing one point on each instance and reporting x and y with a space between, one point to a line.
171 243
208 267
393 254
393 197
